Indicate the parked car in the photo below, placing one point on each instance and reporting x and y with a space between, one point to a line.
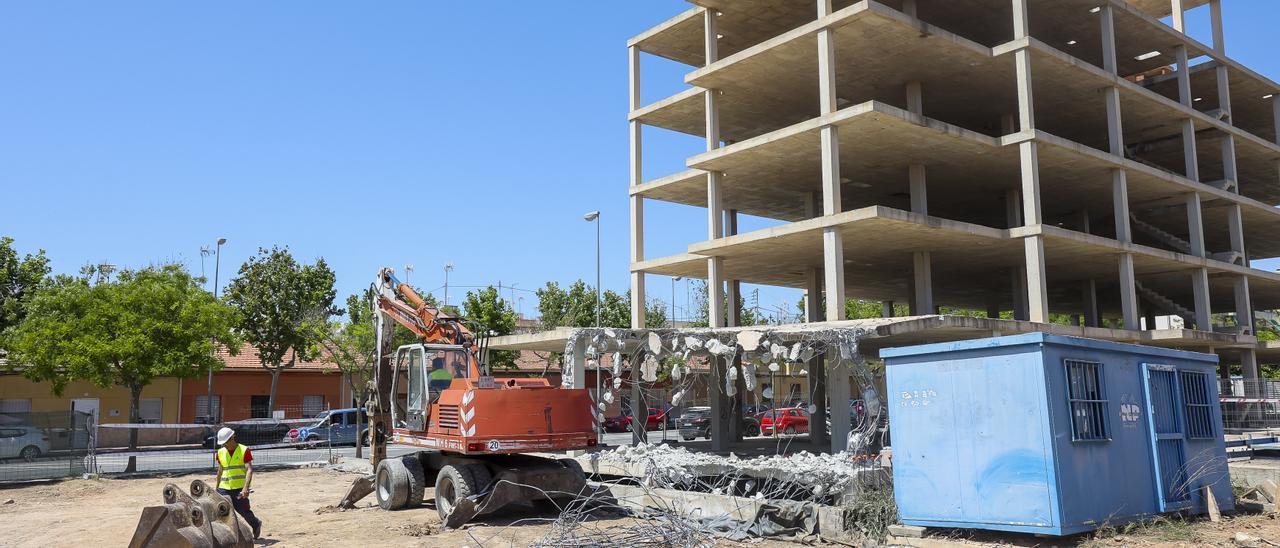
336 427
250 432
24 442
620 423
696 423
792 420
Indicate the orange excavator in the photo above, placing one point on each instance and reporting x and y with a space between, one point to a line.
475 429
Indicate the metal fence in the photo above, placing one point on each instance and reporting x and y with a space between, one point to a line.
1249 404
46 445
192 447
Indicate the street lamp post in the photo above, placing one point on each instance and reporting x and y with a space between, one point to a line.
673 300
448 267
595 216
217 267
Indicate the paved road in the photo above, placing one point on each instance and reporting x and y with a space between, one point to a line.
161 461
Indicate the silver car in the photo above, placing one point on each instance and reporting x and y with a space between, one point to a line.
25 442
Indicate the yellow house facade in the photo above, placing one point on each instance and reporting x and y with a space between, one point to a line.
158 404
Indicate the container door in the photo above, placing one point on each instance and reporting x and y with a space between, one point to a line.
1167 436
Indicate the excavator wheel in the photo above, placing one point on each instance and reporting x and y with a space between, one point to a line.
417 480
456 482
391 484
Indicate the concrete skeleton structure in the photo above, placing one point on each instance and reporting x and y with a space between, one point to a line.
1076 157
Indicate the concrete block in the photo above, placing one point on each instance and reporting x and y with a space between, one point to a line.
909 531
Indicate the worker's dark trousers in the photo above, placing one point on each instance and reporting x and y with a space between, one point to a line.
242 506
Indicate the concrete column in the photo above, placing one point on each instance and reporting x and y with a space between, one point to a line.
1195 223
1249 364
1275 115
915 97
715 205
639 407
1200 291
839 396
579 367
720 404
1021 22
1037 285
1215 22
818 387
813 310
886 309
1191 160
1244 305
909 7
919 190
1128 293
922 274
1013 219
636 178
1179 15
1089 293
734 294
832 242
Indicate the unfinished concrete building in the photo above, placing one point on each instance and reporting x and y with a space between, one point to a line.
1071 160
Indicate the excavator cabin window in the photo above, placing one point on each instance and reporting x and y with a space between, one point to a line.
422 372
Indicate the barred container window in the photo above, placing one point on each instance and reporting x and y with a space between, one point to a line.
1087 400
1195 397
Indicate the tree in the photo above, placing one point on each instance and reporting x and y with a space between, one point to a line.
284 309
148 323
19 278
702 317
494 315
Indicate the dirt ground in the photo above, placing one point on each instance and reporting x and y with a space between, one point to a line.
104 512
295 506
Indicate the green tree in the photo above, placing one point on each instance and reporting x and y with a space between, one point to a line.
284 309
493 314
19 278
147 323
702 314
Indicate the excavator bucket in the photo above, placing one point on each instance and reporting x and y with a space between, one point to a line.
202 519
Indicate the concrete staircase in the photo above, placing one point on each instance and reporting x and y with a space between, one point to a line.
1159 234
1165 304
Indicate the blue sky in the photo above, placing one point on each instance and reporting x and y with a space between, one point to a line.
371 134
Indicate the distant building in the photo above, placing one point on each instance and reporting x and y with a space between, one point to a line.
242 390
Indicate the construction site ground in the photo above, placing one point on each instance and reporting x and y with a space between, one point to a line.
295 505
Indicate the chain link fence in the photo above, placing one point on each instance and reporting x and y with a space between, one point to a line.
1249 404
46 445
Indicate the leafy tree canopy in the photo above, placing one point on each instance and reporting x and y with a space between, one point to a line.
19 278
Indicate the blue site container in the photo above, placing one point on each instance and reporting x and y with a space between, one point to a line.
1052 435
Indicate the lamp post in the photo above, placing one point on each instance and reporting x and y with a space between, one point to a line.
595 216
448 267
217 267
673 300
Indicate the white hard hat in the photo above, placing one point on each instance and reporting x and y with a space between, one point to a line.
225 434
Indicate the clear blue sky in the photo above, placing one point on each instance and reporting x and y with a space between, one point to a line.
371 134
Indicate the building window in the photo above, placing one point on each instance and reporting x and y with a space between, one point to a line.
1195 397
151 410
203 411
260 406
15 406
1087 401
312 406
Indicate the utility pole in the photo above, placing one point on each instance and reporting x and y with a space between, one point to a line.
217 267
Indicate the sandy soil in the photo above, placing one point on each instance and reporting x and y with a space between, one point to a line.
104 512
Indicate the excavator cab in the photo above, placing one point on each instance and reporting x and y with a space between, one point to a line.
423 372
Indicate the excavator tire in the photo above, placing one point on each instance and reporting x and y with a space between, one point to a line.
392 484
456 482
417 480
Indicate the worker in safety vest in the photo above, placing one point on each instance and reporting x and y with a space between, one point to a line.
439 378
235 473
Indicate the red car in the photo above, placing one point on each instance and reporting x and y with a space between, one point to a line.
622 423
791 420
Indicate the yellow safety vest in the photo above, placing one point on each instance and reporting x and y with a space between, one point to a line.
232 468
